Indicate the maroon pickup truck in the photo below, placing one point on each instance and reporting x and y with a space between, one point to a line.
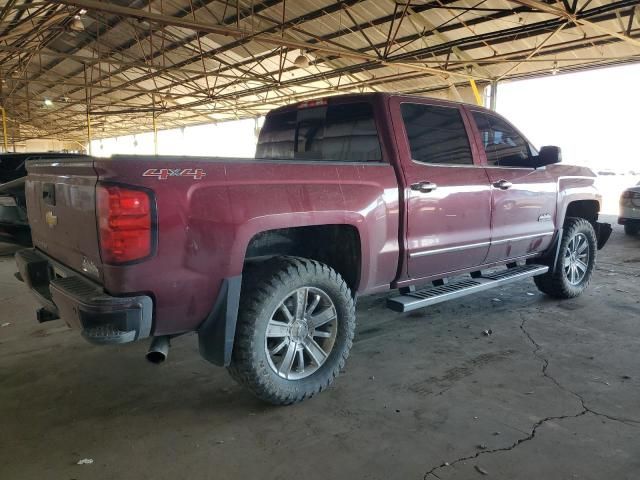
264 257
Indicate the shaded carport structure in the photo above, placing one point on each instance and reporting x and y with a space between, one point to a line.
71 70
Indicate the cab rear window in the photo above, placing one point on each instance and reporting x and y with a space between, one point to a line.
342 133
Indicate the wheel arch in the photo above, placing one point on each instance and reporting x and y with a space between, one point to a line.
589 209
336 245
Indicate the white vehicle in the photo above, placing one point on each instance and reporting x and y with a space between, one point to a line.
630 210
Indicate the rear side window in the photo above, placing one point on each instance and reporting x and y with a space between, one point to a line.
343 133
503 145
277 137
436 134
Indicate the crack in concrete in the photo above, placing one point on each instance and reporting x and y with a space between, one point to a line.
501 449
545 365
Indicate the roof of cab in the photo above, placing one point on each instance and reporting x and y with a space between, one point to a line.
374 96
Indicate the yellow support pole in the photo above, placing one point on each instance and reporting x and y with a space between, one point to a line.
476 92
4 130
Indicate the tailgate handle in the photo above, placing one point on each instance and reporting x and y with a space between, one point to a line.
49 193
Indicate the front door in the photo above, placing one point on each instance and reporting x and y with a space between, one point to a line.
523 199
447 195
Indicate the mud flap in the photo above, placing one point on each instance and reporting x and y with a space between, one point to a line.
217 332
603 232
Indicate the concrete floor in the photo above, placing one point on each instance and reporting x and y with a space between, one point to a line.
553 393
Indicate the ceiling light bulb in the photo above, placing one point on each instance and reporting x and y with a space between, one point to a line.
47 102
555 69
76 24
301 61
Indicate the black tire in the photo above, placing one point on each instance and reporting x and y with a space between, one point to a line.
632 229
265 287
557 283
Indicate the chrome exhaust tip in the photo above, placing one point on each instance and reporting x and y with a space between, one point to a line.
158 350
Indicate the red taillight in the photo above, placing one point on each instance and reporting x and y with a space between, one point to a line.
629 197
124 224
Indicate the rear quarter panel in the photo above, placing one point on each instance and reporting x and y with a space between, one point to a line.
205 226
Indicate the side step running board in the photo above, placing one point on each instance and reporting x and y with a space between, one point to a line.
432 295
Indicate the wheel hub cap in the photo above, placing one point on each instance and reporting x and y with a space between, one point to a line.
299 331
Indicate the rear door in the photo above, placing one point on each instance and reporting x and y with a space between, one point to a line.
447 194
524 198
61 207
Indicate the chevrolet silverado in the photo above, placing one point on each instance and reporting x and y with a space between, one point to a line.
264 257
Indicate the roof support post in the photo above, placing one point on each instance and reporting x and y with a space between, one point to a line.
493 99
476 92
155 127
86 98
4 130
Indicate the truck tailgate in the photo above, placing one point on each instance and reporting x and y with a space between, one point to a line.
61 206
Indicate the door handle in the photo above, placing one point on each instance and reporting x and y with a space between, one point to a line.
503 185
424 187
49 193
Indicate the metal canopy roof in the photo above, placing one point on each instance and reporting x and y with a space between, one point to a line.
118 65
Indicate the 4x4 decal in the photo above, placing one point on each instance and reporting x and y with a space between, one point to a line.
164 173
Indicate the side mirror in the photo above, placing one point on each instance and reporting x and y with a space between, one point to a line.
548 156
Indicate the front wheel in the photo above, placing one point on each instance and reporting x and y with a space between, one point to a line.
295 329
575 263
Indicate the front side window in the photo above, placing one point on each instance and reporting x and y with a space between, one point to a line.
343 133
436 134
503 145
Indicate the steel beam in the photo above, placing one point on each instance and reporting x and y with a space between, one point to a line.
571 17
281 41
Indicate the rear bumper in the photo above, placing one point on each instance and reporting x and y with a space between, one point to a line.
629 213
628 221
83 304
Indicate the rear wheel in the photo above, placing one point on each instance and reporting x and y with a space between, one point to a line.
575 264
295 329
632 229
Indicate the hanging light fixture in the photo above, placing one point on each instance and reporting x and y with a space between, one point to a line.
555 69
301 61
76 24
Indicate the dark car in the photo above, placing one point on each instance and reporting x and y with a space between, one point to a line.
14 225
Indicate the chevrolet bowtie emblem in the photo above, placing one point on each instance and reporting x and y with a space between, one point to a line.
51 219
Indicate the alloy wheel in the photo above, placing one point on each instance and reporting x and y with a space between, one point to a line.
576 259
301 333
